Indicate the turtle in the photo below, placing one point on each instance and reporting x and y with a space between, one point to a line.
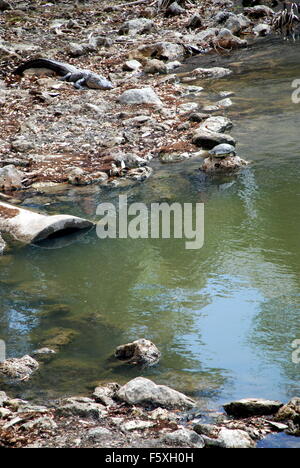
222 151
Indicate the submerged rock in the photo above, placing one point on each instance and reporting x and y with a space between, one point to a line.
19 368
140 352
252 407
214 72
231 163
144 392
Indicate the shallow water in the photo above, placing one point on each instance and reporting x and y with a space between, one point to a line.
224 316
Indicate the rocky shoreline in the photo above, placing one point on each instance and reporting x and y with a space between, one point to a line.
141 414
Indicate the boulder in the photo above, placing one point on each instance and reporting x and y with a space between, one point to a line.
217 124
137 26
29 227
262 29
207 139
19 368
252 407
214 72
144 392
230 438
140 352
82 407
290 411
184 437
215 165
105 394
11 178
155 66
162 50
140 96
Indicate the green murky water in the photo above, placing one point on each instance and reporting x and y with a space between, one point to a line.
224 316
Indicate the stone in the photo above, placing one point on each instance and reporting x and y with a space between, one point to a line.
174 9
214 72
208 430
77 176
43 351
137 26
252 407
82 407
208 140
19 368
163 51
155 66
194 22
131 65
144 392
11 178
290 411
30 227
4 5
184 437
139 174
187 107
259 11
97 434
140 352
3 245
217 124
140 96
22 145
105 394
4 413
237 23
230 438
43 423
262 29
227 40
136 424
3 398
206 35
198 117
228 164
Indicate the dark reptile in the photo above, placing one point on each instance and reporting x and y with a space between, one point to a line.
81 78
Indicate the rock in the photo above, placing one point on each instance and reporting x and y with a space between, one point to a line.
163 51
208 430
228 164
259 11
206 35
2 245
171 66
30 227
290 411
155 66
252 407
144 392
194 22
4 413
77 176
82 407
141 352
11 178
132 65
187 107
77 50
237 23
19 368
105 394
221 17
173 157
184 437
44 423
139 174
208 140
4 5
43 351
198 117
262 29
217 124
230 438
97 434
215 72
3 398
22 145
227 40
137 26
140 96
174 10
135 425
223 103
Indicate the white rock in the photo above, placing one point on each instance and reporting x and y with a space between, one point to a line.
140 96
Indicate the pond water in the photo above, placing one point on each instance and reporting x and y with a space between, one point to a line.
224 316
